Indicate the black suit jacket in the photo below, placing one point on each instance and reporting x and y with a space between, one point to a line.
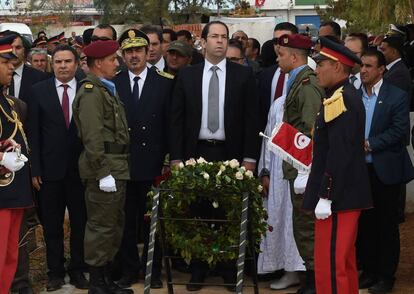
241 112
30 76
148 122
387 137
55 149
265 88
339 171
399 76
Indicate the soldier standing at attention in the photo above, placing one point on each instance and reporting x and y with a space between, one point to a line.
303 100
15 192
103 164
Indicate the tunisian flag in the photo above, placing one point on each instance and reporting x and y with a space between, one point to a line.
292 146
259 3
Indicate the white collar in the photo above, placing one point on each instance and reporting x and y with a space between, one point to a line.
142 76
19 70
221 65
71 83
375 89
160 64
391 64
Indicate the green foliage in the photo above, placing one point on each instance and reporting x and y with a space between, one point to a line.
219 186
368 15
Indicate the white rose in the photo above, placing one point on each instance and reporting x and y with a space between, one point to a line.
222 168
239 176
206 176
260 188
210 163
219 173
249 174
191 161
215 204
226 163
201 160
243 168
234 163
181 165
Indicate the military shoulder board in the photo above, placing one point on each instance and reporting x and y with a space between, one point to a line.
165 74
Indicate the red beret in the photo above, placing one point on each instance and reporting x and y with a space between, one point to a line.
101 49
295 41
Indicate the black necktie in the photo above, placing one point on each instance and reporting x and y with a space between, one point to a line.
135 90
11 86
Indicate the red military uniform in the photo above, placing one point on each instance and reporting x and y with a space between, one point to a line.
15 188
338 174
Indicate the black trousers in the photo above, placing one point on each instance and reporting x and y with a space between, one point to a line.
378 243
135 208
54 198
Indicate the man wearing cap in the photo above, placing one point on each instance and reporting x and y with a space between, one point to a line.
179 55
52 42
303 100
103 163
40 42
338 185
15 192
146 96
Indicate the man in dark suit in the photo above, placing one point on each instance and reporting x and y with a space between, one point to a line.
146 96
215 115
55 153
397 72
389 166
24 76
271 83
398 75
155 57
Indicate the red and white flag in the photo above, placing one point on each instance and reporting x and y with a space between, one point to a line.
292 146
259 3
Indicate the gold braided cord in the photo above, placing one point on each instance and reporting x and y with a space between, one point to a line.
18 125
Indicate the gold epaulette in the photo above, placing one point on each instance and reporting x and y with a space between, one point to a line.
88 86
165 74
334 106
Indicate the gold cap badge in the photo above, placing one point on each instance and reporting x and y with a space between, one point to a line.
131 34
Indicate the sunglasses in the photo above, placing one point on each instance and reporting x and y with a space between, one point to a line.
96 38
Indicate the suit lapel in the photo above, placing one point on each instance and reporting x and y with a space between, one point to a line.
146 94
379 105
228 91
53 102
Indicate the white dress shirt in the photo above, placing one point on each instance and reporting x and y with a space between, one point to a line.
274 84
142 76
205 133
17 78
71 93
392 63
160 64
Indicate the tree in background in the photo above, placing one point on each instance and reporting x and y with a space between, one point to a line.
369 15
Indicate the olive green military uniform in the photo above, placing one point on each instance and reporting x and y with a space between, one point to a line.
301 107
103 129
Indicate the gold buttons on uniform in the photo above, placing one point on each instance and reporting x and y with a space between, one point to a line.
144 128
144 144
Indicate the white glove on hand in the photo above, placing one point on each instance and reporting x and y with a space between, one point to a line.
323 208
299 185
107 184
12 162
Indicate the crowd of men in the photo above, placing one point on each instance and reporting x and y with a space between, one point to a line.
100 118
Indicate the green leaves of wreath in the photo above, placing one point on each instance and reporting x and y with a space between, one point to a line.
219 185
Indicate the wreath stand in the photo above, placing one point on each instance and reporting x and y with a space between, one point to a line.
156 215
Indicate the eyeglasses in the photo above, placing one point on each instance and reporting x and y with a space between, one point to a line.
217 36
96 38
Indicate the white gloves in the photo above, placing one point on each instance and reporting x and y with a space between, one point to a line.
299 185
323 208
107 184
13 161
